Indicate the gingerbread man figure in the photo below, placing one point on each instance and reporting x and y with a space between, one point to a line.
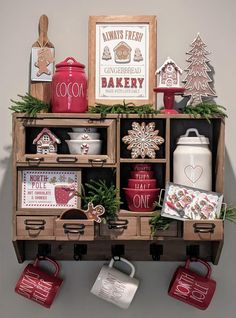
44 59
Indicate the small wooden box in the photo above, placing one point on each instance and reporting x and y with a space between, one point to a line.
73 225
128 230
210 230
34 227
172 231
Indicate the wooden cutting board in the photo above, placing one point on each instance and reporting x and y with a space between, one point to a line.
42 90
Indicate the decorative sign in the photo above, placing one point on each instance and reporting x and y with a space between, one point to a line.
42 64
43 189
186 203
124 51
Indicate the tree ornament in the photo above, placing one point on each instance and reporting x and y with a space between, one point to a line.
143 140
197 78
138 55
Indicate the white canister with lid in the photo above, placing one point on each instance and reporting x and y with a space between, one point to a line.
193 161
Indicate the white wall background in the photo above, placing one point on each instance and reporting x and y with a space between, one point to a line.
178 23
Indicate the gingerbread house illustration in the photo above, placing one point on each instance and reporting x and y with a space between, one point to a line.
169 74
122 52
46 142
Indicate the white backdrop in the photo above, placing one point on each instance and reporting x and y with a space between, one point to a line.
178 23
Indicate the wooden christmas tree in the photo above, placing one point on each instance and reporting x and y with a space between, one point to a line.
197 79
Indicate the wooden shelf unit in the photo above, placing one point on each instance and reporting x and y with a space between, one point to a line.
134 239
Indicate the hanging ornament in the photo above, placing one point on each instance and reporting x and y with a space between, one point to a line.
143 140
93 213
197 79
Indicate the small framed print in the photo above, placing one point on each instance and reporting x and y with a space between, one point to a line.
48 189
186 203
42 64
122 59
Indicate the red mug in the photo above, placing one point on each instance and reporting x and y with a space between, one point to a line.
192 288
63 194
37 285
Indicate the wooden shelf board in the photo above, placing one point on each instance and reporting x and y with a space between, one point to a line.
130 160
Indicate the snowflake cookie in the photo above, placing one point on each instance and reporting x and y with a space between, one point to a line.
143 140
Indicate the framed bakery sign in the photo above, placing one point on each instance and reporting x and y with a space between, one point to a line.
122 59
49 189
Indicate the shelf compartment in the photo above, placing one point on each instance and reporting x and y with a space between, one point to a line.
126 124
27 130
74 230
172 231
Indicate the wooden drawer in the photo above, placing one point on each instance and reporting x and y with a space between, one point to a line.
27 131
34 227
82 230
172 231
120 229
203 230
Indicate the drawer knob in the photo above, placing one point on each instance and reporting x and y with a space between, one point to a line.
117 224
34 227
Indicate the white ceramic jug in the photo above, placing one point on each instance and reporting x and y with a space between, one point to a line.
192 161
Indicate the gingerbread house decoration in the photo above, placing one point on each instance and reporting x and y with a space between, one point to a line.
169 74
46 142
122 52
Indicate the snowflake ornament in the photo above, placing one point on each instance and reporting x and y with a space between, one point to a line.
143 140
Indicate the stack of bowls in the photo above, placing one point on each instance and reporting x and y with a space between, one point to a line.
84 141
142 190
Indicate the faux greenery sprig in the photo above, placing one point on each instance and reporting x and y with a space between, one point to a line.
99 192
125 108
158 223
230 213
29 105
206 110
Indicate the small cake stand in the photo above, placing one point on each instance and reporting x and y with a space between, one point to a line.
169 97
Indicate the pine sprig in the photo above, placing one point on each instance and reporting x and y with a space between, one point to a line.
125 108
206 110
99 192
29 105
158 223
230 213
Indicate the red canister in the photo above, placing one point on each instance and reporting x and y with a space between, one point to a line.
192 288
69 87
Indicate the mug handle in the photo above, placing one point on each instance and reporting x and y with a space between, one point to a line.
55 264
125 261
187 264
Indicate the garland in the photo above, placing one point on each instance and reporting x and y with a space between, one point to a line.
29 105
205 110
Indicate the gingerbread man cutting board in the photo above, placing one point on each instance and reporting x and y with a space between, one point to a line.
42 63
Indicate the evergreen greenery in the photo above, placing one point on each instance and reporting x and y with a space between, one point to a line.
206 110
125 108
158 222
230 213
29 105
98 192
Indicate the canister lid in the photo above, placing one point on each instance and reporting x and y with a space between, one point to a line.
194 140
70 62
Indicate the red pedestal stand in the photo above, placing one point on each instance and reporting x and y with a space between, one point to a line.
169 97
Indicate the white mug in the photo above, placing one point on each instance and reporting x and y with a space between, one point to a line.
114 286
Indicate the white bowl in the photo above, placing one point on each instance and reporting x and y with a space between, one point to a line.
84 129
84 136
85 147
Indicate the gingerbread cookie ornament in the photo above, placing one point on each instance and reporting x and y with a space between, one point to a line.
94 213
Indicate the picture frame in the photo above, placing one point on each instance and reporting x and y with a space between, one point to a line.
48 189
122 60
187 203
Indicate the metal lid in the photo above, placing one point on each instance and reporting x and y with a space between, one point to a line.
198 140
70 62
